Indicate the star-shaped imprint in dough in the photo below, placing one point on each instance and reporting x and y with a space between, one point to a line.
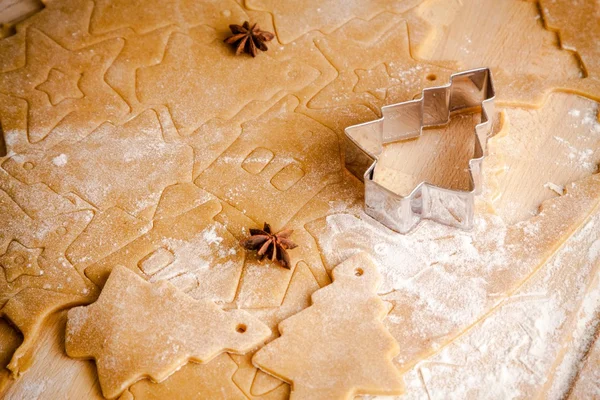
20 260
60 86
67 107
203 81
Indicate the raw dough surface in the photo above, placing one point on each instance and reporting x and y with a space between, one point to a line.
131 135
117 331
319 347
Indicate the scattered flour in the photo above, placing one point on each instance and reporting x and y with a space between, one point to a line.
536 336
60 160
448 279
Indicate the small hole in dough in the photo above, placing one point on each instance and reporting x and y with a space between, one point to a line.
431 77
19 260
241 328
358 272
28 166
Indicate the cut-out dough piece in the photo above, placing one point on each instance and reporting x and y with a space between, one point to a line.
137 329
338 347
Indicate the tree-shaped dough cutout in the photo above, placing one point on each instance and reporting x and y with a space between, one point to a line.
137 329
338 347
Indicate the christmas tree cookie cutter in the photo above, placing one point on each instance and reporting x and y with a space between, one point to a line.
403 121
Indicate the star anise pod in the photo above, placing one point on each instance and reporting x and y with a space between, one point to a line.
272 246
248 39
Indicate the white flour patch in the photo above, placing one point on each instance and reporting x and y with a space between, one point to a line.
60 160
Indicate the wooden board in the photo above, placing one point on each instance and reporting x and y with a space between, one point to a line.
545 142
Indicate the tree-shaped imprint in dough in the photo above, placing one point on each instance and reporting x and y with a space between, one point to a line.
137 329
338 347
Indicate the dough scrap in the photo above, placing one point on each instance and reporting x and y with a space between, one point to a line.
119 331
10 340
497 38
55 381
318 348
244 378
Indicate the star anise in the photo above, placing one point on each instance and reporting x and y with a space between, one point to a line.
248 39
272 246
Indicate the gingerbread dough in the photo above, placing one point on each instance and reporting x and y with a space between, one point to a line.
586 385
320 347
191 250
255 383
570 154
181 147
374 67
9 341
498 38
295 18
544 323
577 26
500 259
118 331
193 381
136 147
36 277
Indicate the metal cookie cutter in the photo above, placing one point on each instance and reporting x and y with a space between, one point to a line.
402 121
